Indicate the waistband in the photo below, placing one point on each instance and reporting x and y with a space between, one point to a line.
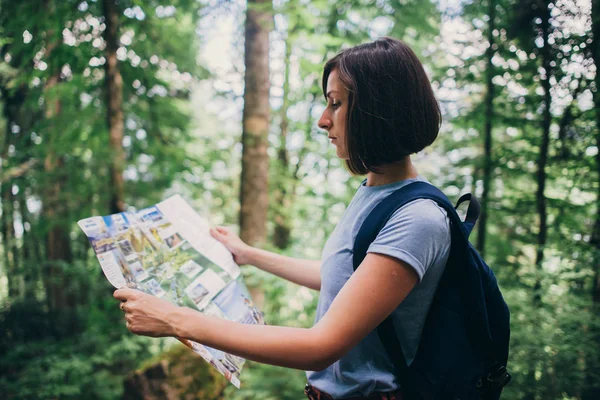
315 394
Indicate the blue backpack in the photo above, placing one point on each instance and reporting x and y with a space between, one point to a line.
463 350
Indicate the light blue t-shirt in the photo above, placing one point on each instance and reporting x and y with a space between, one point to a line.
417 234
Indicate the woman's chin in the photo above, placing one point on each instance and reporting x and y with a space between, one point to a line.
341 154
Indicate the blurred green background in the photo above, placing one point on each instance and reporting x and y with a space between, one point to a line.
114 105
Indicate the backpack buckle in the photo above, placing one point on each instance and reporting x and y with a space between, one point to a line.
496 379
499 378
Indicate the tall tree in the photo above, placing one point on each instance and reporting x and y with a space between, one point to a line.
533 26
55 208
9 249
489 113
546 61
114 106
18 123
281 233
255 123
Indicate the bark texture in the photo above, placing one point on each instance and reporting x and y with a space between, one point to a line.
540 196
283 200
55 212
13 101
255 124
114 107
487 146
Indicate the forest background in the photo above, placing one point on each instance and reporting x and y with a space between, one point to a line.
114 105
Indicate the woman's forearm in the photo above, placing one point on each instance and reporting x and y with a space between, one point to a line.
303 272
287 347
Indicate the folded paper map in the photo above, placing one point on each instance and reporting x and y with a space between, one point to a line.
167 251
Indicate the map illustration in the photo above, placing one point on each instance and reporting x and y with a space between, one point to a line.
167 251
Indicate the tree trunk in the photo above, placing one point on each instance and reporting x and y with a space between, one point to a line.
55 212
489 113
31 254
281 234
13 103
114 107
544 54
543 156
255 124
564 138
8 242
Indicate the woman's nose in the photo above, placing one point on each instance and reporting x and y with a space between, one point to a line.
324 122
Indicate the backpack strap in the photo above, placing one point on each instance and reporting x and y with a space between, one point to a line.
472 212
368 232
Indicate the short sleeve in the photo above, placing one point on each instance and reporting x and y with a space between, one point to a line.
417 234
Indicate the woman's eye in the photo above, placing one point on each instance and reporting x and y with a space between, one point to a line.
335 105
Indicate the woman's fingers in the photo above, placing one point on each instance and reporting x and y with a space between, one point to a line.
220 233
222 230
214 233
125 294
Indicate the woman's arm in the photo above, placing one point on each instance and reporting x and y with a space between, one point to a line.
376 288
303 272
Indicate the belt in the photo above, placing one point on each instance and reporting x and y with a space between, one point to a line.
315 394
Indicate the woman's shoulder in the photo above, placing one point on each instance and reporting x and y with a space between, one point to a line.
422 212
417 233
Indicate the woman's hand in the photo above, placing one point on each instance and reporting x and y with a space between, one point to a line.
145 314
234 244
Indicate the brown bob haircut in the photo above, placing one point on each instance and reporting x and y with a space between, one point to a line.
392 111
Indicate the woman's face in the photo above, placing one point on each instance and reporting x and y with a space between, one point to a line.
333 119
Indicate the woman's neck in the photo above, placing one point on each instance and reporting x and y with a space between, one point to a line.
393 172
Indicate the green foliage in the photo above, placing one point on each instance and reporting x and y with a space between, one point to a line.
182 136
38 364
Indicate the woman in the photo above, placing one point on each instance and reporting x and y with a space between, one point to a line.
380 110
